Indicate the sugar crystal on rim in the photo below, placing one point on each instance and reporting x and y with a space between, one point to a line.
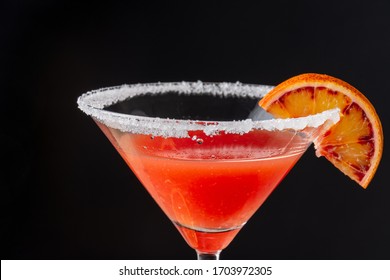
93 103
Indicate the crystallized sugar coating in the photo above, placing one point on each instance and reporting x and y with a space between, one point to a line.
93 103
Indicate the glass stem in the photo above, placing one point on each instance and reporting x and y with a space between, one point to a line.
208 256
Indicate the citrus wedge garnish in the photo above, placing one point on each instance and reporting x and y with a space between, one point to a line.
354 144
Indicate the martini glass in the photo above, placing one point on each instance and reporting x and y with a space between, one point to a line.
201 152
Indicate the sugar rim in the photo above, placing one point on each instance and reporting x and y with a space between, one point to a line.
93 103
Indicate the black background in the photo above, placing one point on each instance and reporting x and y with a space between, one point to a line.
67 194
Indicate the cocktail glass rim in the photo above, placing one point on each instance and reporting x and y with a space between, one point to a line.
93 103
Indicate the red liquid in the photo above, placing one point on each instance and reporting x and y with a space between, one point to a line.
210 187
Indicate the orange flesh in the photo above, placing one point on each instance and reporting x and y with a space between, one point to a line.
354 144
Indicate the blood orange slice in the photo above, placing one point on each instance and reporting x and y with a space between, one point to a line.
354 145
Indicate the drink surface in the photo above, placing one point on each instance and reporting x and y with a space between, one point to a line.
210 186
